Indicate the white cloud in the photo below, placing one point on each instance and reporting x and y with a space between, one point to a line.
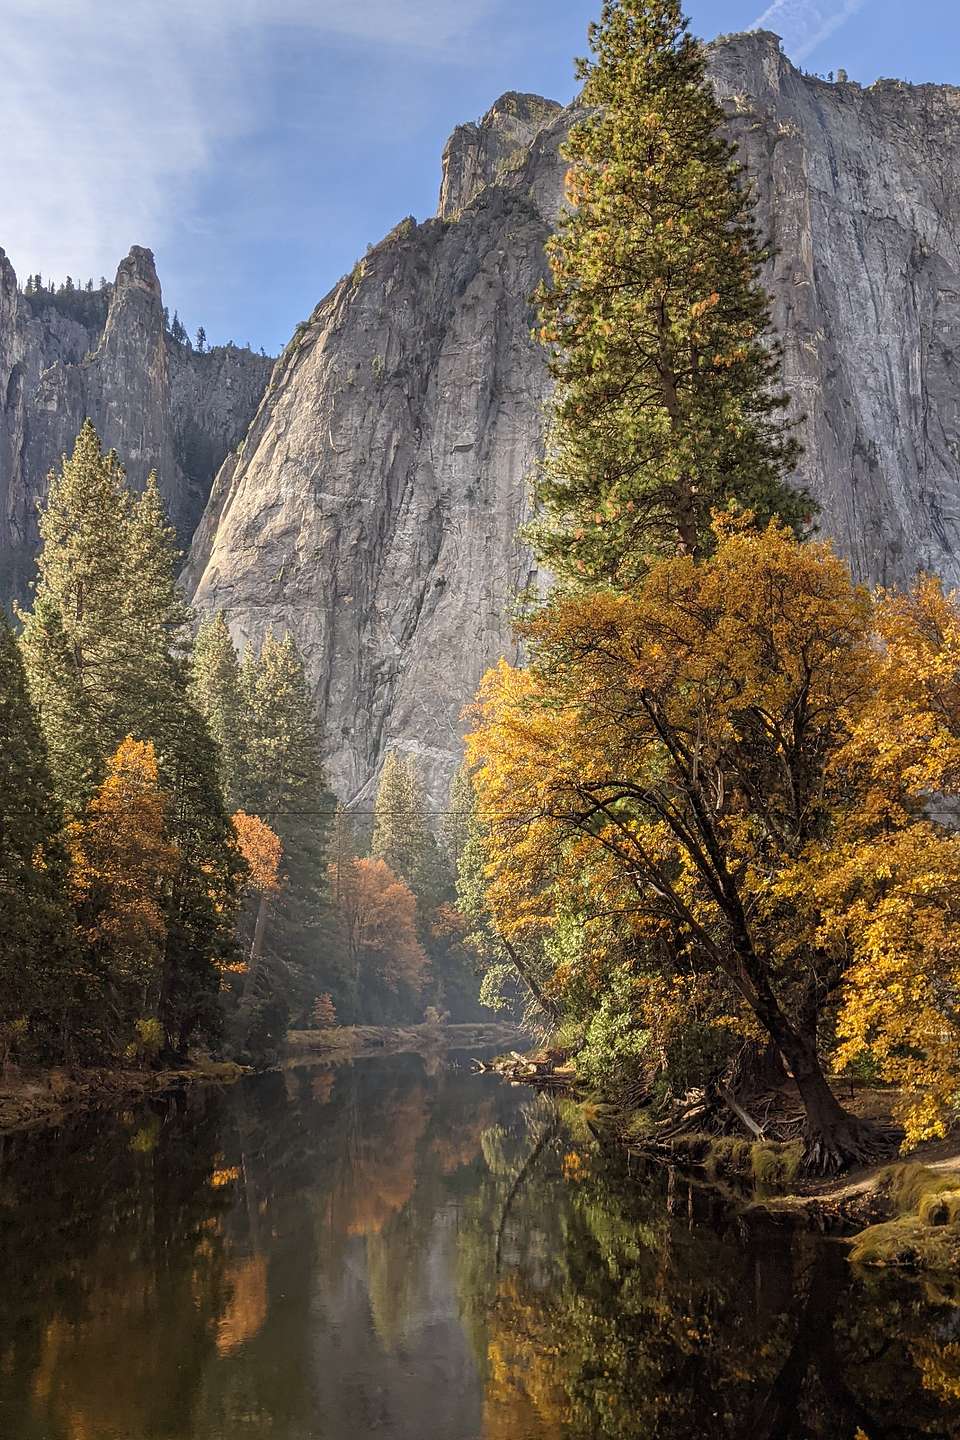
805 24
110 110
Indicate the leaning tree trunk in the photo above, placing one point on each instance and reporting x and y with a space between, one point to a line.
834 1139
549 1007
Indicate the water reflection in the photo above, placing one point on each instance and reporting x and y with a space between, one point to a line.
382 1251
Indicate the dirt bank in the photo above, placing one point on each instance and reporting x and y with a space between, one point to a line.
43 1097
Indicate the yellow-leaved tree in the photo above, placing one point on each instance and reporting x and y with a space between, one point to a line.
897 896
121 862
697 773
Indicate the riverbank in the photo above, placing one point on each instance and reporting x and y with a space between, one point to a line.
44 1097
355 1042
900 1212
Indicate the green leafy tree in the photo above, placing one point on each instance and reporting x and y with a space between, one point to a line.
667 403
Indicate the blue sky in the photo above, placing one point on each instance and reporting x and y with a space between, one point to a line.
258 146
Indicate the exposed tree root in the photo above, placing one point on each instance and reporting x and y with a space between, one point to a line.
852 1142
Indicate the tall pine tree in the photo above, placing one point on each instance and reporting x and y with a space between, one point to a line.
281 778
204 892
73 637
35 974
215 690
667 403
401 834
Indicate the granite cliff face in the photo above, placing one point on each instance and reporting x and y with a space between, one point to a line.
860 191
374 503
108 355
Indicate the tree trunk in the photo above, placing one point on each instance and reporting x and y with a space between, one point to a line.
548 1006
835 1139
256 949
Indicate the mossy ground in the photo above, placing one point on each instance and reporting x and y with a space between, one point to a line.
925 1231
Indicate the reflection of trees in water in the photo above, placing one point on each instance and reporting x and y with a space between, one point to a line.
163 1272
186 1274
611 1316
96 1326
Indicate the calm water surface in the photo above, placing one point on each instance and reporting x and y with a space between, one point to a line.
410 1252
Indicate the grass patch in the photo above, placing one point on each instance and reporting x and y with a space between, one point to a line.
727 1156
774 1166
908 1243
638 1125
922 1191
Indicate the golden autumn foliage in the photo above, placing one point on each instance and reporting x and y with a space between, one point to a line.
898 894
121 860
719 775
262 851
378 916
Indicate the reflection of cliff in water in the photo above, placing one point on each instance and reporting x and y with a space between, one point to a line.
382 1251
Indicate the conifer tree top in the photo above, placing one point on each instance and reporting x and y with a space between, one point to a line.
667 404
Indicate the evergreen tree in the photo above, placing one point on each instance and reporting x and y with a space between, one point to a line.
283 770
455 827
401 835
667 404
281 779
151 672
153 692
73 637
201 339
215 690
34 930
205 893
108 656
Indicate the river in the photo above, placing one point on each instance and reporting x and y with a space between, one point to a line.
401 1249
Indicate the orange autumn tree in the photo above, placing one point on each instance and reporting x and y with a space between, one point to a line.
262 851
688 771
121 862
377 913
